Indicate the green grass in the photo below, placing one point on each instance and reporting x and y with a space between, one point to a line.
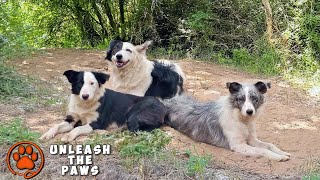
130 144
143 143
13 84
27 91
18 88
134 148
145 150
196 164
15 131
312 176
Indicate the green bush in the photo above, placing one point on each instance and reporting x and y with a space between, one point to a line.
262 60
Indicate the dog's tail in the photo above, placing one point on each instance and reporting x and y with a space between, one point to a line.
176 68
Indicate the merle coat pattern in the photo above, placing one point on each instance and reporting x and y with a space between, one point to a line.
228 122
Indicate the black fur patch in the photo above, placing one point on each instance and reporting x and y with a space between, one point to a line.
262 87
139 113
234 87
76 80
69 119
145 115
101 77
114 47
165 81
79 123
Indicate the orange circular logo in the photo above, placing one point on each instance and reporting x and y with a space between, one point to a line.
25 159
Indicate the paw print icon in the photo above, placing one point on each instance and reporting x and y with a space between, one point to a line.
25 159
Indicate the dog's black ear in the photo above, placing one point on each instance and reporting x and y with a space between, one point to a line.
71 75
109 55
142 48
109 51
233 87
101 77
262 87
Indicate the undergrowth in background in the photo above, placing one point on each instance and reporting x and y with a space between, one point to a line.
230 32
262 59
14 131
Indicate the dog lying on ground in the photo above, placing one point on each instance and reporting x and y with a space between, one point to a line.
93 107
133 73
227 123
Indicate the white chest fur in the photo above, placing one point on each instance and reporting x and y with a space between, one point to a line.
134 80
86 111
236 130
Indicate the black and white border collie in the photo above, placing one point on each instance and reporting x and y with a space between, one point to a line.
229 122
133 73
93 107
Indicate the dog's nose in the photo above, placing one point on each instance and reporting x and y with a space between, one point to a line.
85 96
119 56
250 112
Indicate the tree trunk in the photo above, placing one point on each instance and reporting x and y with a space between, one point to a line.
97 12
110 17
269 22
85 22
121 7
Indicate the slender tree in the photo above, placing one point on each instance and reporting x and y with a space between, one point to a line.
268 12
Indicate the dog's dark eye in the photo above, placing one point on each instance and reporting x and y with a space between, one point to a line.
254 98
92 83
241 98
129 50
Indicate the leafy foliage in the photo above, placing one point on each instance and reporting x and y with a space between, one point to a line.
231 32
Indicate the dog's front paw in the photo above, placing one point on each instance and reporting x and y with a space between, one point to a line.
286 154
282 158
67 138
49 135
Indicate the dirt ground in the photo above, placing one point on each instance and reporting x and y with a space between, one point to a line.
291 119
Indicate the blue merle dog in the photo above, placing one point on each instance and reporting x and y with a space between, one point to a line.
228 122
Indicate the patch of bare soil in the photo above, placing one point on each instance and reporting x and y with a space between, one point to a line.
291 119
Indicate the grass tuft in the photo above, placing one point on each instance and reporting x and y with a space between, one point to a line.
13 84
15 131
197 164
312 177
130 144
143 143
